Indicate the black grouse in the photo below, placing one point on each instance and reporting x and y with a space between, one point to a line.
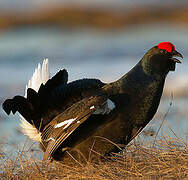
88 118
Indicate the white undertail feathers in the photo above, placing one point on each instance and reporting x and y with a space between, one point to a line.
41 75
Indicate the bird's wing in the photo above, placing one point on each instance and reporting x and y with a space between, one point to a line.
64 124
64 96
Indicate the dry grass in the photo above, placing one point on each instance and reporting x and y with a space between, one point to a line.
167 161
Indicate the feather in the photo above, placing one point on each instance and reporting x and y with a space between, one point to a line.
73 117
40 76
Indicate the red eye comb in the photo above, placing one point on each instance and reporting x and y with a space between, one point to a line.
167 46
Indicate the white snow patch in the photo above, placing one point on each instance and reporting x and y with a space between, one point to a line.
177 85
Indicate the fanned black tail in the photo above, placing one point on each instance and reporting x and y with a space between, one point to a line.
60 79
34 106
25 106
52 98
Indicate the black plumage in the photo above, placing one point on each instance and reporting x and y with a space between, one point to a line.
87 116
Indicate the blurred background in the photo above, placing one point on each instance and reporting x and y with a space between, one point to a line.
100 39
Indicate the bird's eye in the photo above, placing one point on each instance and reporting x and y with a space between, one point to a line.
163 51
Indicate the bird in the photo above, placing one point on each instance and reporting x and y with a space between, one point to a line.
87 118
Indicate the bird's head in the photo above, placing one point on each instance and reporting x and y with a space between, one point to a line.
161 59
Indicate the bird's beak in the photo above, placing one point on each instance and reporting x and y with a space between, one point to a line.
176 54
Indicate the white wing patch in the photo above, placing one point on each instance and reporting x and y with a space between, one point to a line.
106 108
51 138
66 122
92 107
110 105
41 75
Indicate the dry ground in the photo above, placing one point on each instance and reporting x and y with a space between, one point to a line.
168 159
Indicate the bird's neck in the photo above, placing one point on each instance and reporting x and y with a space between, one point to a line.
151 69
136 81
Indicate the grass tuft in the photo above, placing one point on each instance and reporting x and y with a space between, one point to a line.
168 159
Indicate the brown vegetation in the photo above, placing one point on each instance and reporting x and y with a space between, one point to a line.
167 161
99 18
